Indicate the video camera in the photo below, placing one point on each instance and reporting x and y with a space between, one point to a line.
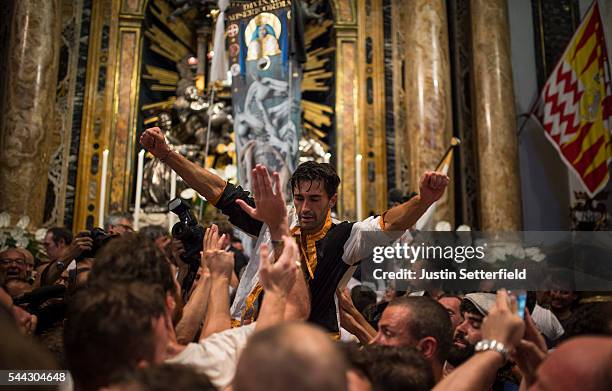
191 234
187 230
99 237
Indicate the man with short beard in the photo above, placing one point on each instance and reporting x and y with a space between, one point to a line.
474 308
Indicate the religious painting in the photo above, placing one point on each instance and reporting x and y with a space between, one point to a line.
265 89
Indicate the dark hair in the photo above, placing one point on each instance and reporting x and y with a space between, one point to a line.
132 257
355 357
312 171
110 329
153 231
166 377
428 318
60 233
398 368
225 228
470 308
363 296
590 319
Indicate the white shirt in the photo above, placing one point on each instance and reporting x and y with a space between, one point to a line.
547 323
217 355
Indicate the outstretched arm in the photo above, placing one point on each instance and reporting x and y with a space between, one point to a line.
200 179
197 306
404 216
277 280
221 266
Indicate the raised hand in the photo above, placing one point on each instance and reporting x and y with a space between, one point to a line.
530 352
503 324
220 263
80 244
346 301
432 186
153 140
280 276
212 241
269 201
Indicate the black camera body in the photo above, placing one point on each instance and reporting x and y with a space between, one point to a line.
188 231
99 237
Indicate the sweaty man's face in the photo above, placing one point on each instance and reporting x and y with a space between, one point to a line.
312 205
466 335
392 328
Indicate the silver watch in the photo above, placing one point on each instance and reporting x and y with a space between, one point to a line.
491 344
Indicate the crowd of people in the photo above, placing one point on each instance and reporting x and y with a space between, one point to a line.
114 309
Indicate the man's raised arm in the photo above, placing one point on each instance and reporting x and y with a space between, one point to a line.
206 183
431 187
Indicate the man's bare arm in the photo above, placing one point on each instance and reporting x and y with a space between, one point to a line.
194 310
200 179
402 217
277 280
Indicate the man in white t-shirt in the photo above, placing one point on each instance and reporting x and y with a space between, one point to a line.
217 355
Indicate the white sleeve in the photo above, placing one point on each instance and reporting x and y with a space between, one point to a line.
217 355
360 245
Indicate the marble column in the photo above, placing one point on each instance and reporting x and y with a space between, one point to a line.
27 120
495 117
428 94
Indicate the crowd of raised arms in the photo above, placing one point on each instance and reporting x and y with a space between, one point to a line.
125 310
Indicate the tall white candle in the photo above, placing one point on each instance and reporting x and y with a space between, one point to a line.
172 216
359 187
102 203
138 188
173 185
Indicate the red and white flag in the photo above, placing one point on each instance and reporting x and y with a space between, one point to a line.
575 105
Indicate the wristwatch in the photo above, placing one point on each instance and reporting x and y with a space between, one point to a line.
491 344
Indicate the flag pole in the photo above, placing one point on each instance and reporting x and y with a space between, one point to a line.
455 142
208 129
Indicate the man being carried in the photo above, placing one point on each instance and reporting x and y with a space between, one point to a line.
328 248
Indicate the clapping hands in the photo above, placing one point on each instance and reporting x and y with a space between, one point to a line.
220 263
280 276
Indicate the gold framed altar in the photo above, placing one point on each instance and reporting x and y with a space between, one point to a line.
111 110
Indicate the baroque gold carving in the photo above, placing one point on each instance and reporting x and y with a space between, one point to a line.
97 109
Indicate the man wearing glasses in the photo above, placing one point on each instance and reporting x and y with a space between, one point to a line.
13 264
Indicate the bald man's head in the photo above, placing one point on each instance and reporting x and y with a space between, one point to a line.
583 363
296 357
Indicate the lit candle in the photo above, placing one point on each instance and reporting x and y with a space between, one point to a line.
138 188
358 186
102 203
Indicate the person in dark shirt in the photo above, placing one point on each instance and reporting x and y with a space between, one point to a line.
330 249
